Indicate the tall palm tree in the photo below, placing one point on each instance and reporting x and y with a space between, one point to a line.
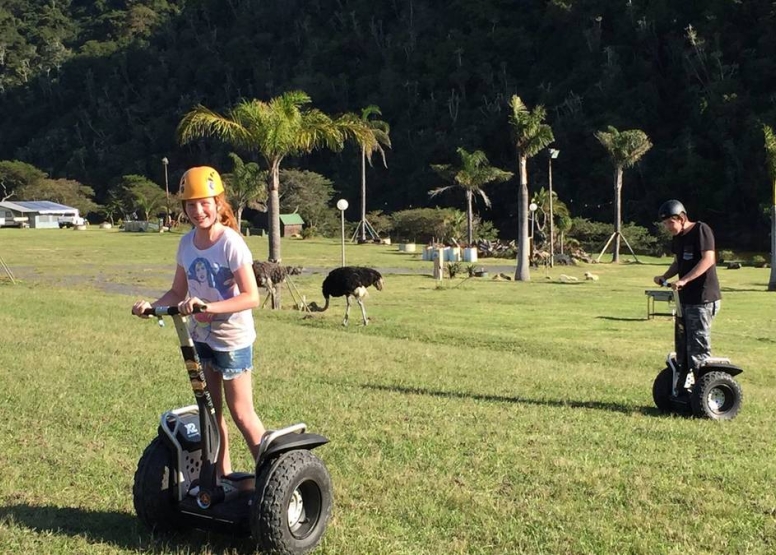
532 135
770 159
275 129
247 186
625 149
474 173
381 137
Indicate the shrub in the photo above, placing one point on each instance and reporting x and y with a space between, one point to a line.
485 230
592 236
381 223
424 225
453 268
758 261
725 256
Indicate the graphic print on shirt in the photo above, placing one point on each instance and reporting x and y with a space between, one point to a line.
210 283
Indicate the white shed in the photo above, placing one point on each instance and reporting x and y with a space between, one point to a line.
40 213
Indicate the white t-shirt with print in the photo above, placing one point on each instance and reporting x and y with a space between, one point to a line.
210 276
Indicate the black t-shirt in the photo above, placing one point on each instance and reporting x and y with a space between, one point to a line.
688 248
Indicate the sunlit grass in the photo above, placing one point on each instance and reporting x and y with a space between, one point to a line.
470 416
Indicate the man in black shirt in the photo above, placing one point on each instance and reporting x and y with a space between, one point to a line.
697 286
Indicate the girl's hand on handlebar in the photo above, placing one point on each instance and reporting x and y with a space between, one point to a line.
188 306
140 307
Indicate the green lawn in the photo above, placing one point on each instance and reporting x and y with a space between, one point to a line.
471 416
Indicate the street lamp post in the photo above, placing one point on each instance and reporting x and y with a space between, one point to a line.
532 207
342 205
553 154
165 161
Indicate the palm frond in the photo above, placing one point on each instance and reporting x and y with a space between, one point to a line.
625 148
532 135
770 150
203 122
439 190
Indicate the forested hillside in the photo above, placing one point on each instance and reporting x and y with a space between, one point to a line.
93 90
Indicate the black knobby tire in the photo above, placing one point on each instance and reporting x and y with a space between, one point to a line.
662 389
154 491
717 396
292 504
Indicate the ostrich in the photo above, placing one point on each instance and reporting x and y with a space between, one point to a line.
350 281
268 275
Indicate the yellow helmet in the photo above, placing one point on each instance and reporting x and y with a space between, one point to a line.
200 182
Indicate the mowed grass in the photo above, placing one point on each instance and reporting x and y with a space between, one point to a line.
471 416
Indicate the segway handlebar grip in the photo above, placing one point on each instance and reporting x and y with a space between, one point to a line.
170 310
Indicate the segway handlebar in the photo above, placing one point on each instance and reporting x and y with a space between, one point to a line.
160 311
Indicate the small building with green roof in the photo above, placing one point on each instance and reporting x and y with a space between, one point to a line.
290 225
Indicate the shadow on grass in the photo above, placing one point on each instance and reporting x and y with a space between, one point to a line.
616 319
596 405
121 530
737 290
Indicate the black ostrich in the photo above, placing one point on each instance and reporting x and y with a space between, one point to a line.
351 281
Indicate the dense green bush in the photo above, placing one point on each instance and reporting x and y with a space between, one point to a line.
423 225
381 223
592 236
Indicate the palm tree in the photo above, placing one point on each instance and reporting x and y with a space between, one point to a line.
532 135
625 149
247 186
380 131
474 173
275 129
770 159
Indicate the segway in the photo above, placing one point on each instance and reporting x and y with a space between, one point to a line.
285 506
709 391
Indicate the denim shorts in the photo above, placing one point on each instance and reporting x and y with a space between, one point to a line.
229 363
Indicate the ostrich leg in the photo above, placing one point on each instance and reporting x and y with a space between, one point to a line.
363 310
347 310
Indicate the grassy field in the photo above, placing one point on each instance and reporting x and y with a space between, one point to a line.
471 416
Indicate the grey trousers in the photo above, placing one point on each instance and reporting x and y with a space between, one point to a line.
695 344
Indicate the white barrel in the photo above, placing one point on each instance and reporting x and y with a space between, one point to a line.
453 254
470 254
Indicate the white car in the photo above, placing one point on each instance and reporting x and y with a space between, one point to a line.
70 221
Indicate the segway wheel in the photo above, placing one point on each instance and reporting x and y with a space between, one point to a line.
661 390
292 504
717 396
154 489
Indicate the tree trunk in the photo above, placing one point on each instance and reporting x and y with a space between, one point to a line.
239 218
617 213
363 195
469 218
523 269
552 222
772 280
273 212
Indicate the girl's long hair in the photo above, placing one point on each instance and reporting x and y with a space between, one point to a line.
225 213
